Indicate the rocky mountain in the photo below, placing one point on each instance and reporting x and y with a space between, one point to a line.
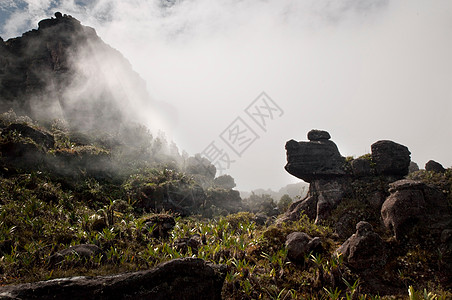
64 70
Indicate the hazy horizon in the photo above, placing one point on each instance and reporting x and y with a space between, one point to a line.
362 70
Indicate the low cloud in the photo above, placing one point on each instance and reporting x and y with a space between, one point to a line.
362 70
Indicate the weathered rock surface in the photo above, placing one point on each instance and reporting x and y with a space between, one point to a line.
390 158
413 203
186 278
299 244
434 166
364 250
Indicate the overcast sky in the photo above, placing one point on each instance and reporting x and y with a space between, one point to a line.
362 70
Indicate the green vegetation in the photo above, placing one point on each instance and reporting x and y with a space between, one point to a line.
115 191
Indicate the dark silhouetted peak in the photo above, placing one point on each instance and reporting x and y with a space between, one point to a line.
64 70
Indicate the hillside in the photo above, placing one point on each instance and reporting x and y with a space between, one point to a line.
94 205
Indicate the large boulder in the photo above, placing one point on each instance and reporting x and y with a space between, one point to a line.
390 158
316 159
434 166
414 203
364 250
185 278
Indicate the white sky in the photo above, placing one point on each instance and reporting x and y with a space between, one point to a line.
362 70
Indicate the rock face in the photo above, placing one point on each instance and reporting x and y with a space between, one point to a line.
390 158
413 203
434 166
299 244
186 278
364 250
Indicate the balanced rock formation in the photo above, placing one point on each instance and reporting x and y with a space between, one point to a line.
332 177
185 278
317 159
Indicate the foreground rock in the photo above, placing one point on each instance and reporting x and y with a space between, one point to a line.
186 278
364 250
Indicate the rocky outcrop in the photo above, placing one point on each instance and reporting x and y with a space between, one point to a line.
434 166
299 245
364 250
333 178
390 158
413 203
185 278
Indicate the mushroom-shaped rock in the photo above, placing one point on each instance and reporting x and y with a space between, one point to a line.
315 159
390 158
364 250
299 244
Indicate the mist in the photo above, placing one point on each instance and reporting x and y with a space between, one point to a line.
362 70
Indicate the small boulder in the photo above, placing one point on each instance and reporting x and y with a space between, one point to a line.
299 245
364 250
413 167
160 225
390 158
193 242
434 166
318 135
84 251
